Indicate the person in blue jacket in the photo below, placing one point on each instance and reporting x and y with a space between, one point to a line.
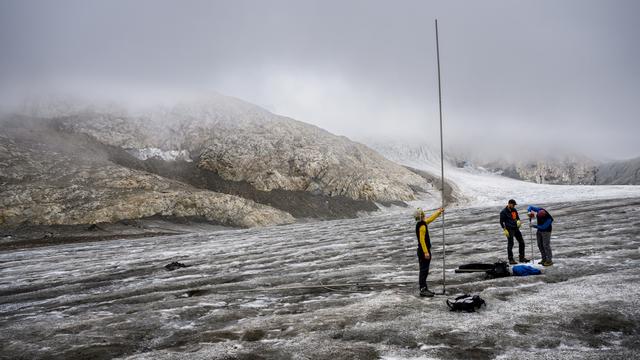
543 235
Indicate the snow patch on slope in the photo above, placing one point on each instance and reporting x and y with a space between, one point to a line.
166 155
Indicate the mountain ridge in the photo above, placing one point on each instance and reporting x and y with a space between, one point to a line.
226 160
560 169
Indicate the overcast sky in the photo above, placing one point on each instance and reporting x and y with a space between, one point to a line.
516 75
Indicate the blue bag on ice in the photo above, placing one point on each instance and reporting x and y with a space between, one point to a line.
525 270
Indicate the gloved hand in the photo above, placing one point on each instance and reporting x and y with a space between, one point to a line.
534 226
506 232
518 223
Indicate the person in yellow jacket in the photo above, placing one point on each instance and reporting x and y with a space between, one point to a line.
424 247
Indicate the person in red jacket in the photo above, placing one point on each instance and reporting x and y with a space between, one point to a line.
543 235
424 247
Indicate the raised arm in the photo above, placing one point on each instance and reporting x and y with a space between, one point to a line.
434 216
533 208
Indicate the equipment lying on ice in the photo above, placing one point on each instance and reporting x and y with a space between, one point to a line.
525 270
475 267
500 269
466 303
497 270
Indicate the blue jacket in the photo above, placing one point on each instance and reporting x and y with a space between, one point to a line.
544 222
525 270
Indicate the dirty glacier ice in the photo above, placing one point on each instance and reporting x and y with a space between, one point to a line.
240 298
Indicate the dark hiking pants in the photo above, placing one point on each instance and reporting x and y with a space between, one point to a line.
518 235
544 244
424 270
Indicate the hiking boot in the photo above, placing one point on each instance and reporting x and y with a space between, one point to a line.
548 263
524 260
512 262
541 262
424 292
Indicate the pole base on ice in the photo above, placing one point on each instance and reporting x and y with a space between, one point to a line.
531 240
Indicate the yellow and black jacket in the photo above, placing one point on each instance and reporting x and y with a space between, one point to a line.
422 233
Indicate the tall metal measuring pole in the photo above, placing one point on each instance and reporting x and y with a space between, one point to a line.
444 254
531 239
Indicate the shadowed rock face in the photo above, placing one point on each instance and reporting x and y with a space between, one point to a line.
620 173
300 204
581 172
224 160
560 169
551 171
50 177
242 142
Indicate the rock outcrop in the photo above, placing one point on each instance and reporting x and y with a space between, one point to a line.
549 171
242 142
573 171
56 179
565 170
221 159
619 173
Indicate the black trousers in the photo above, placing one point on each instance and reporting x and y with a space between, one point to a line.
518 235
424 270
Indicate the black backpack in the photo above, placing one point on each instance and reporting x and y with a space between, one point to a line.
500 269
466 303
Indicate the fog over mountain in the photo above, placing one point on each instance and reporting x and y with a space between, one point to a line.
542 77
239 179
